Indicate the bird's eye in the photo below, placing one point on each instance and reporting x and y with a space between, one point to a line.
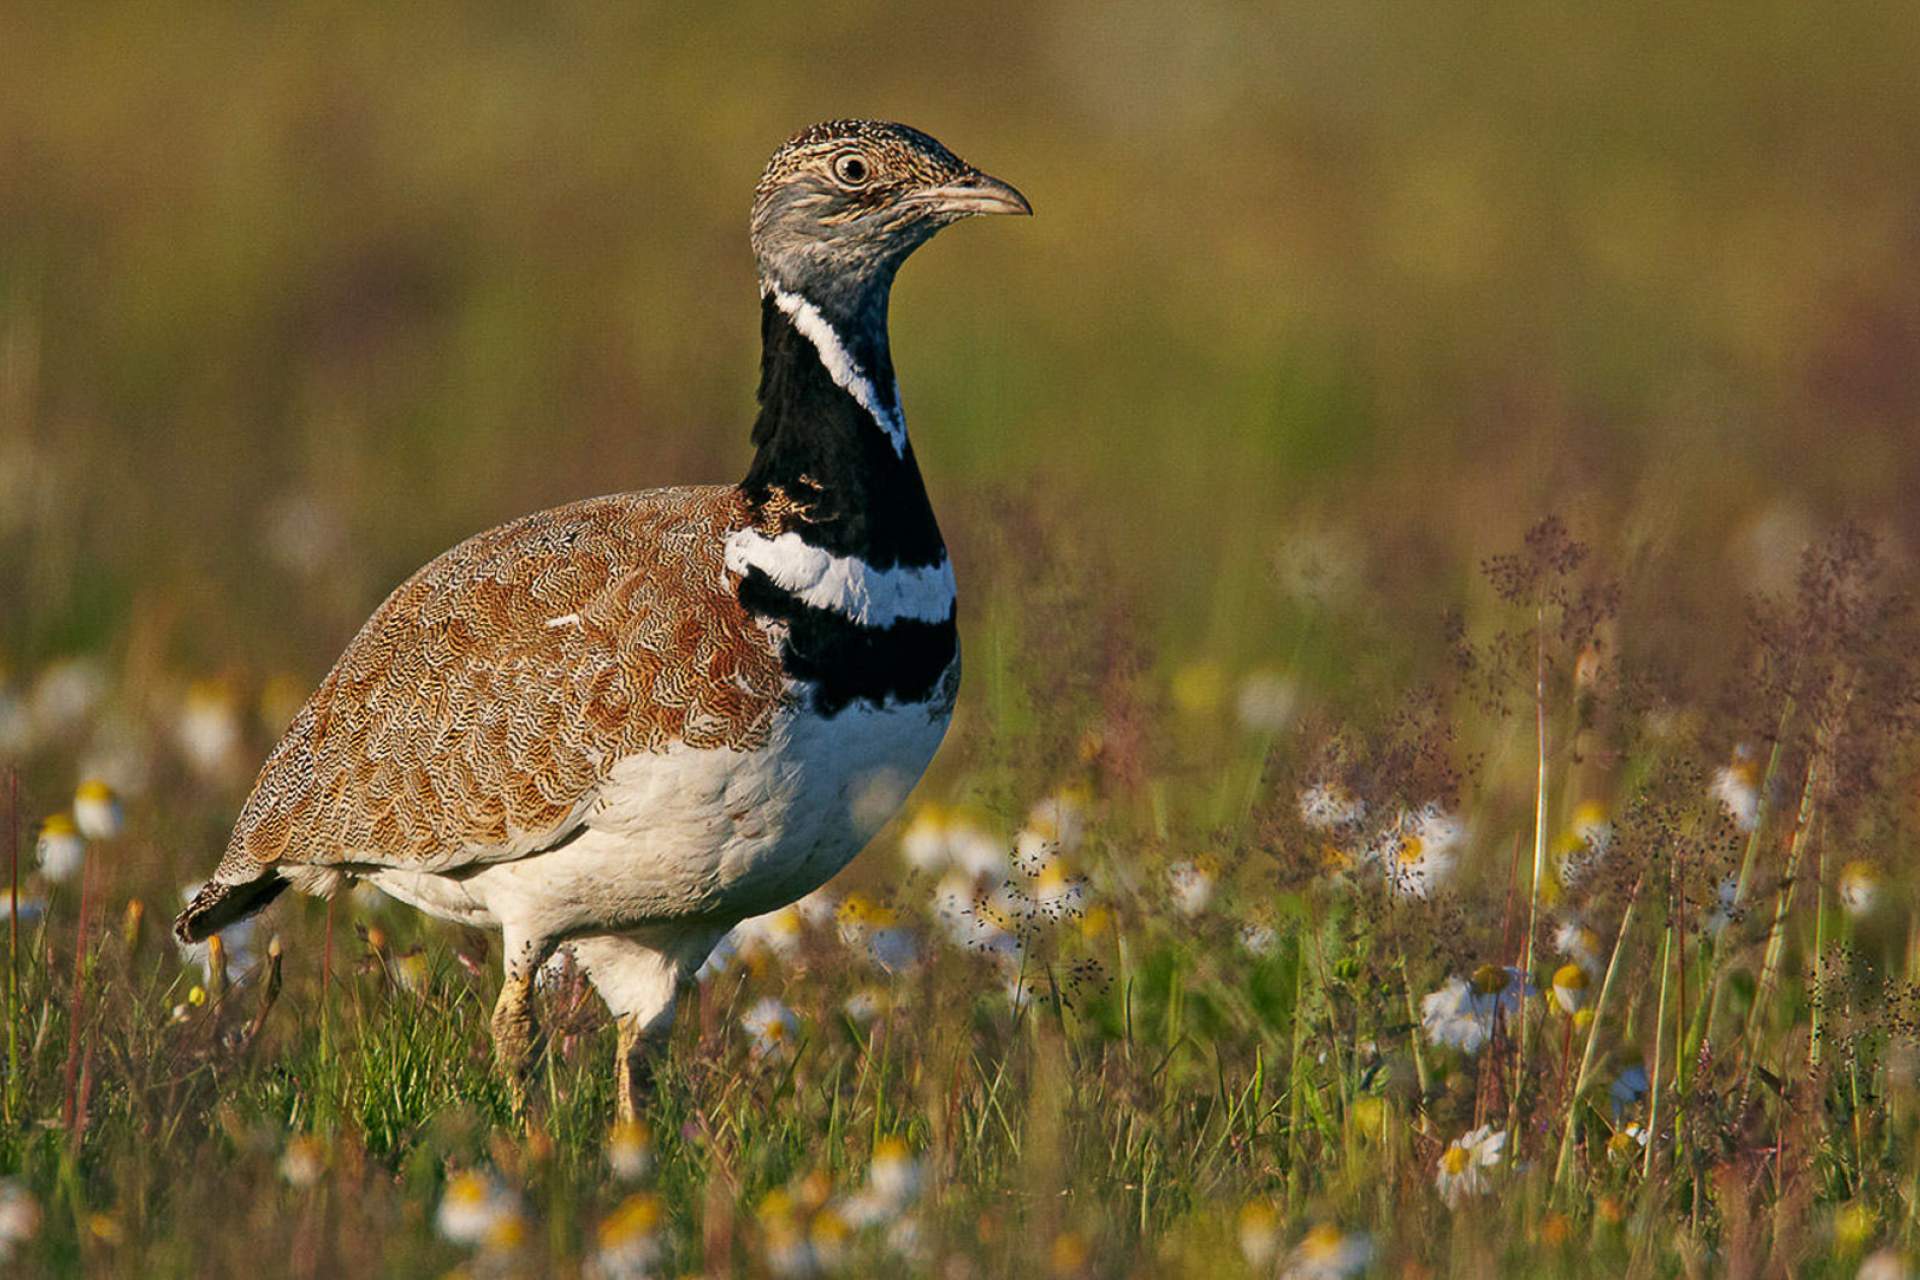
851 169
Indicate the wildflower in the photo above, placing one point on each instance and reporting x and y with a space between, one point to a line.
1578 943
1586 843
1461 1169
779 932
96 810
864 1005
1570 987
1626 1141
1258 938
1055 825
924 843
303 1162
475 1208
1628 1087
1859 887
1328 1253
786 1250
1266 702
772 1028
858 916
629 1239
1418 852
206 729
818 907
894 1174
1192 885
1463 1014
630 1150
19 1217
1328 806
61 849
1259 1230
829 1234
1737 786
972 849
1883 1264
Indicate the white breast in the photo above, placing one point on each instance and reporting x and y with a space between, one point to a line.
719 832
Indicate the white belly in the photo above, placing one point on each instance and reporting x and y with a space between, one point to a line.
710 834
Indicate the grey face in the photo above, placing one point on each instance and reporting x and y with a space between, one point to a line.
842 204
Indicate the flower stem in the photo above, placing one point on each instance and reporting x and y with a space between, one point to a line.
1593 1039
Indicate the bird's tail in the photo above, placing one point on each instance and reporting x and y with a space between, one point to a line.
219 904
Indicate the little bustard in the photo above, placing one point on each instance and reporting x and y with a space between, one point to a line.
629 723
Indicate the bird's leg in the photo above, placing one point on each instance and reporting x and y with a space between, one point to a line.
641 1047
517 1040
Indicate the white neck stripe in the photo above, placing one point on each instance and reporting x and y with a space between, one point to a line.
840 365
846 585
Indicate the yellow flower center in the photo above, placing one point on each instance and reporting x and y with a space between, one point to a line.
1322 1242
1489 978
1455 1161
1412 849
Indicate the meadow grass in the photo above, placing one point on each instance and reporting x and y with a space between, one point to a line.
1407 486
1189 1014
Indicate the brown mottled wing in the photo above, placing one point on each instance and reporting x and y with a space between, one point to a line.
479 708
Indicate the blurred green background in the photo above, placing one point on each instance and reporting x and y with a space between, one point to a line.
294 297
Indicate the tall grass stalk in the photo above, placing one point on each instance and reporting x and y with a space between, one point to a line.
1539 856
1659 1043
1777 931
1589 1051
1712 958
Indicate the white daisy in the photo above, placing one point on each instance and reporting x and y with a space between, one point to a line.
1192 884
1462 1168
475 1208
1258 1229
60 848
304 1161
1859 887
630 1150
1418 852
1737 786
772 1027
19 1217
1578 943
1463 1014
629 1240
96 810
1328 1253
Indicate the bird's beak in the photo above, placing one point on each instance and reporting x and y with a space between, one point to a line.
969 194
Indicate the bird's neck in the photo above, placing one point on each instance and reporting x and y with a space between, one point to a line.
832 452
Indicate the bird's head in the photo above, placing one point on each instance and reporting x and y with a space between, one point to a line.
842 204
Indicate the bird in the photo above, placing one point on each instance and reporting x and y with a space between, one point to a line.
626 724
